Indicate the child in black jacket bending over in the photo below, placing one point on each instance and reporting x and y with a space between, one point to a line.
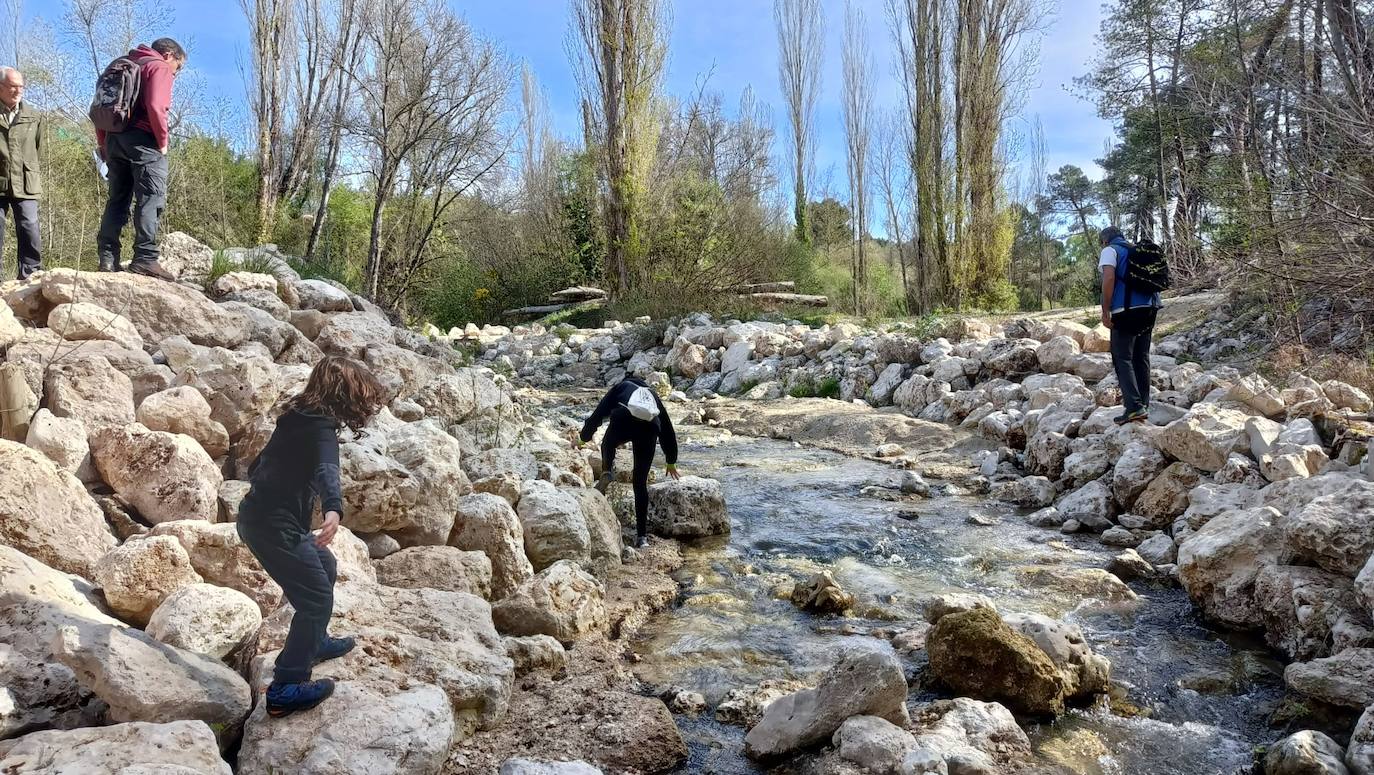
638 417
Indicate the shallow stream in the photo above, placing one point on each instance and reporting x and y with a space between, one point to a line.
1204 697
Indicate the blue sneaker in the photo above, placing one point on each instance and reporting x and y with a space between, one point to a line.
285 699
333 648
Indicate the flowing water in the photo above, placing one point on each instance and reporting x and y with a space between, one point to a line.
1203 697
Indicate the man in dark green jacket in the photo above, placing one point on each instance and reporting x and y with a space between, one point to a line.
21 136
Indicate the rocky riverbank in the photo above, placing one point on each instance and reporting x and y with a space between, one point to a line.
1254 496
487 584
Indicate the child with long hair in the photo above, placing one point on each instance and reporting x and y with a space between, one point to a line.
300 464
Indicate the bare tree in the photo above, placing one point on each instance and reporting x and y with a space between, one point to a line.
346 58
858 130
270 23
893 172
801 52
918 28
429 121
618 48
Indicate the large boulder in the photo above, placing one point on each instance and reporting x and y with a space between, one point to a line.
206 619
1345 679
1218 564
402 371
865 681
1335 531
144 680
486 523
437 567
1091 505
1305 753
89 389
603 528
976 654
554 526
690 507
1167 496
363 729
495 462
138 575
966 736
403 479
64 440
166 476
873 743
134 748
46 513
1046 453
157 309
239 386
1057 355
1308 612
83 321
1138 465
1359 757
562 601
186 257
220 557
1085 673
408 636
460 397
350 334
532 767
1205 437
184 410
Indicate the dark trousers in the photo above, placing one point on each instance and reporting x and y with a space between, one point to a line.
643 438
306 574
30 244
1131 332
138 174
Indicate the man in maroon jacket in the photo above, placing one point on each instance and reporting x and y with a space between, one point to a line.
137 159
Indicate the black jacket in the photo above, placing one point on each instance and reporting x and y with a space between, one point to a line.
301 463
612 407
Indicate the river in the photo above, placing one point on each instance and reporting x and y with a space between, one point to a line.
1201 698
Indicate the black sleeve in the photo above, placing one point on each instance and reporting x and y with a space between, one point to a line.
603 410
326 481
667 437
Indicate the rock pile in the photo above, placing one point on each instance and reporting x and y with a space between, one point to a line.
134 408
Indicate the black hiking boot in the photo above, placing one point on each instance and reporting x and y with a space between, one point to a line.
285 699
152 269
1139 415
604 483
641 542
109 266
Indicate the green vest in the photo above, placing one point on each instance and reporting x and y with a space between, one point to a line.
19 142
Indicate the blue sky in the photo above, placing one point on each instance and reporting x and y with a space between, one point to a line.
732 39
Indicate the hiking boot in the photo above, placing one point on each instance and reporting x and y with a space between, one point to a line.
1139 415
152 269
333 648
285 699
109 266
604 483
641 542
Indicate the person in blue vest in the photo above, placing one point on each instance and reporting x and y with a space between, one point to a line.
1130 314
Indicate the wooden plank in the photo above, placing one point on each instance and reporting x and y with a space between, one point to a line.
786 286
779 299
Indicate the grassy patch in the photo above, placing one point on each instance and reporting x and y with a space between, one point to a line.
828 388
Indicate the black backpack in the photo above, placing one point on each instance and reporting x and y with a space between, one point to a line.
116 95
1146 268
